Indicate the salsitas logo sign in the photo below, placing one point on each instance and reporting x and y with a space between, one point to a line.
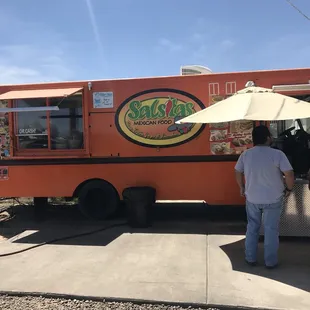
149 118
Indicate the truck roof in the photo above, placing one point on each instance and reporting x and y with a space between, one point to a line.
160 77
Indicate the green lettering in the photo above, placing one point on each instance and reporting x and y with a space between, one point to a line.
173 112
154 113
145 112
134 112
189 108
157 111
161 111
180 110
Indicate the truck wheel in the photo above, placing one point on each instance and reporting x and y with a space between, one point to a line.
98 200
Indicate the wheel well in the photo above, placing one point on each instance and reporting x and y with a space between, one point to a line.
78 189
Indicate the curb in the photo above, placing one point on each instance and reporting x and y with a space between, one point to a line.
124 300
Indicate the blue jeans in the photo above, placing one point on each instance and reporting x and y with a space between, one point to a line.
271 218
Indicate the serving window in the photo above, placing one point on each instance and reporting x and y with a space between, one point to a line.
293 138
278 127
53 130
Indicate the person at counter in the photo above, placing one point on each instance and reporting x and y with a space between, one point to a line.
262 168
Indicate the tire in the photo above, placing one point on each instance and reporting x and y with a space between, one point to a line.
98 200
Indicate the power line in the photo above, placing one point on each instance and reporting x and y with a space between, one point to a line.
297 9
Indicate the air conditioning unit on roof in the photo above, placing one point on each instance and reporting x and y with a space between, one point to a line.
194 70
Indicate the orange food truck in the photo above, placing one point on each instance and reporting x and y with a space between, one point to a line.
93 139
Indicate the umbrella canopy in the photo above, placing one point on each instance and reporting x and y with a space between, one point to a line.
252 103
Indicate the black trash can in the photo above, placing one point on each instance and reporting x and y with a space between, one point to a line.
139 203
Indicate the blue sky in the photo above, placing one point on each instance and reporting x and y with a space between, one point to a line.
98 39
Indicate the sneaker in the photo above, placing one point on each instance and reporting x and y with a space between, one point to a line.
252 264
272 267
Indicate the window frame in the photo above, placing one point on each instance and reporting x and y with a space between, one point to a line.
231 88
301 95
20 153
214 89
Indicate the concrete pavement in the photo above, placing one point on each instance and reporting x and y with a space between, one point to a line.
232 282
139 266
188 262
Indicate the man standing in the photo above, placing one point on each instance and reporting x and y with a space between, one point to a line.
263 169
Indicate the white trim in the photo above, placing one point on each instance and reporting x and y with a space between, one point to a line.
231 88
5 110
214 89
294 87
180 201
31 134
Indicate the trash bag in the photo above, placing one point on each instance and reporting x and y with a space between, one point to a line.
139 203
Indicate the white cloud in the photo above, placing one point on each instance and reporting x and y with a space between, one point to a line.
14 75
291 50
202 53
94 24
171 46
33 54
197 37
201 22
207 44
211 53
32 63
227 44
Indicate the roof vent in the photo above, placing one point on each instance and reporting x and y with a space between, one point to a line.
194 70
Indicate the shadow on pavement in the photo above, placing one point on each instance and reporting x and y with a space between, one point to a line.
294 259
168 219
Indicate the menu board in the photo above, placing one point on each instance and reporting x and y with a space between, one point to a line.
4 132
230 138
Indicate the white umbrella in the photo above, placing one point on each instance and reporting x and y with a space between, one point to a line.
252 103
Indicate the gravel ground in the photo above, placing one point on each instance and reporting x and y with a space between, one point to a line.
24 303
